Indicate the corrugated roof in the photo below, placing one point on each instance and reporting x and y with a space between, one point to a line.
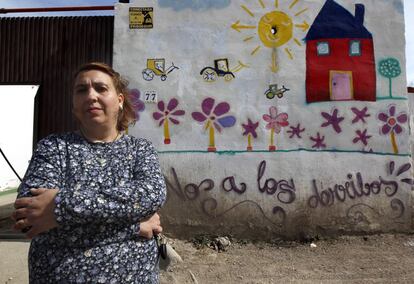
47 51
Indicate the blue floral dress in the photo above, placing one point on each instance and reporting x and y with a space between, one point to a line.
105 189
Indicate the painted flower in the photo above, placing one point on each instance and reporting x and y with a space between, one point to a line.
360 115
361 136
332 119
215 118
137 104
392 121
166 114
249 131
319 141
275 121
295 131
214 114
250 128
169 112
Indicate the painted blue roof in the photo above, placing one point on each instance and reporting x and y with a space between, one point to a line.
334 21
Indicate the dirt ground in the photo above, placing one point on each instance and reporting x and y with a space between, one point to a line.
361 259
387 258
348 259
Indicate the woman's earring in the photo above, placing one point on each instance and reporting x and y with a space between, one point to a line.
121 107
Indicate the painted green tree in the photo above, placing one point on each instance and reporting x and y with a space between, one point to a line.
389 68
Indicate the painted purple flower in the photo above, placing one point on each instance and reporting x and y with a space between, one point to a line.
137 104
360 114
295 131
214 117
276 121
250 128
166 113
361 136
214 114
332 119
392 121
318 141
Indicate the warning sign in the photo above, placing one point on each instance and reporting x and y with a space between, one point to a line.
141 17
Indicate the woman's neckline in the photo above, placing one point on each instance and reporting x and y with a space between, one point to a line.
98 142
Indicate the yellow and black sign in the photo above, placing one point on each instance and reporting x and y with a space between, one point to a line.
141 17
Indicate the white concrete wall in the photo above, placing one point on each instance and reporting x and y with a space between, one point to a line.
360 174
16 131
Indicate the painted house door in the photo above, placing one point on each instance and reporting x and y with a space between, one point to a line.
341 85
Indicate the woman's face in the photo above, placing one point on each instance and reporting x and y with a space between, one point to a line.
95 100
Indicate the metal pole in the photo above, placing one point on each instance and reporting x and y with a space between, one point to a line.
4 156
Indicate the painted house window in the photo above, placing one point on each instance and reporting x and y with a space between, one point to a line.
323 48
355 48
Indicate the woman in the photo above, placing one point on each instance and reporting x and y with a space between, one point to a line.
89 198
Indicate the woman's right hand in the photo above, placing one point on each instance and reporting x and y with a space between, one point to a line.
150 227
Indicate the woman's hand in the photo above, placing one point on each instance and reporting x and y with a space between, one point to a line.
150 227
35 213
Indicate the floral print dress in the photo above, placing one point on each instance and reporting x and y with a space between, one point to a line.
105 189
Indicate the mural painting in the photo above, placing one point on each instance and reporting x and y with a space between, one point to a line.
340 60
156 67
281 107
274 91
213 116
165 114
250 131
389 68
283 192
220 69
137 104
275 122
275 29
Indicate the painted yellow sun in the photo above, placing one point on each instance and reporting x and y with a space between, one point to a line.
275 29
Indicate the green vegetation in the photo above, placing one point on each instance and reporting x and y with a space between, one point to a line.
8 191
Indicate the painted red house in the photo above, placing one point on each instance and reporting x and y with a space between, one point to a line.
340 63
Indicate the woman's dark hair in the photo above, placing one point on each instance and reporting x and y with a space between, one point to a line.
126 115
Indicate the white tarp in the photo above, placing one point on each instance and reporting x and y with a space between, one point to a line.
16 130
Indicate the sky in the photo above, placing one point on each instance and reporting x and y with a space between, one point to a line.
409 38
408 6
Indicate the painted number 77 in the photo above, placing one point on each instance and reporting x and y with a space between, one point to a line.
150 97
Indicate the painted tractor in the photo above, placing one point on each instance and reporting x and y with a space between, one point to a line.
275 91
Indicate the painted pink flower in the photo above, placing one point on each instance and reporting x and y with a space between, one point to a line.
137 104
392 121
275 121
168 112
214 113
